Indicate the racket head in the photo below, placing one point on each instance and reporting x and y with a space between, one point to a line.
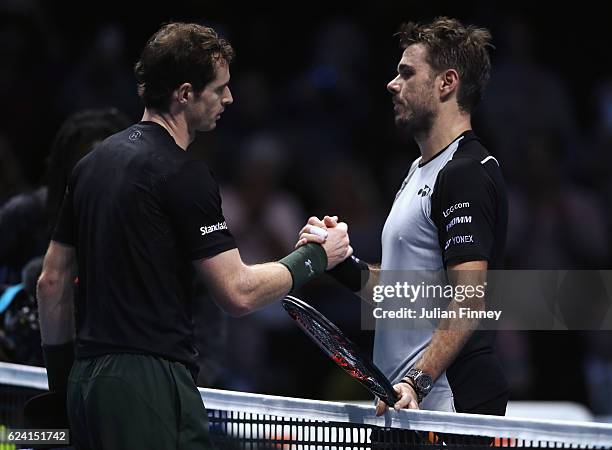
339 348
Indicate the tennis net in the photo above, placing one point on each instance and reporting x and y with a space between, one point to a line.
239 420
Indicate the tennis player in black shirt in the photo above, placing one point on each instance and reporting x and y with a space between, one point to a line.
139 216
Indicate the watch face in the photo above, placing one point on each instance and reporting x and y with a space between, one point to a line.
424 382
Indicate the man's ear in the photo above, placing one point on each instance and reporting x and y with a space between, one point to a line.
449 83
181 94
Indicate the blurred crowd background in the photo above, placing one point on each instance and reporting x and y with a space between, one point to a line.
311 132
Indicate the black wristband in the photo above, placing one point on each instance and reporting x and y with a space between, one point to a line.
305 263
352 272
58 359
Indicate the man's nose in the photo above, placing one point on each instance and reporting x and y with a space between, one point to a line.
392 86
228 100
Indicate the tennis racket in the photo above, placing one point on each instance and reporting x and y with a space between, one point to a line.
339 348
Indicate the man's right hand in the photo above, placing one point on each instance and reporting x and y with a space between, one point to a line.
335 244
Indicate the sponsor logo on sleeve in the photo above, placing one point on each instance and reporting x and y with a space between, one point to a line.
457 220
212 228
456 240
448 211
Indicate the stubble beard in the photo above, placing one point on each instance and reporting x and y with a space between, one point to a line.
419 122
418 119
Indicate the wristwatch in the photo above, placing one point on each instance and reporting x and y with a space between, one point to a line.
420 381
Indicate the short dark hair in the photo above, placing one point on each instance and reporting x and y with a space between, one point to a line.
452 45
178 53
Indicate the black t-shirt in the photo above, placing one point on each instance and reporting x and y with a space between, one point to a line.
139 209
469 206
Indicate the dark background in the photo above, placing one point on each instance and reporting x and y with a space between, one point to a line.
311 132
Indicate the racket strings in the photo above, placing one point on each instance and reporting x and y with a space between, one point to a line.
337 347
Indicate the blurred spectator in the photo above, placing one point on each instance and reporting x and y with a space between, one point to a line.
20 338
22 225
28 219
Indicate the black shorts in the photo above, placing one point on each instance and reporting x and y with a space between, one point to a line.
128 401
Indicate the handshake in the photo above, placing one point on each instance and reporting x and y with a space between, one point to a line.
331 235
